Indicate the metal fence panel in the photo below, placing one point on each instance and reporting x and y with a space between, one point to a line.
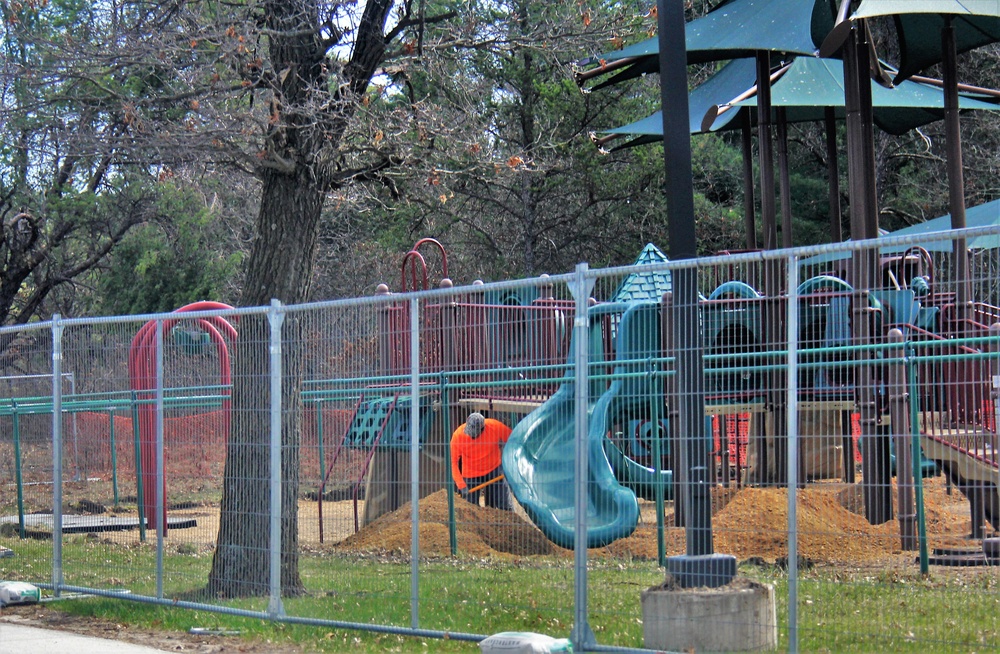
26 472
903 537
843 450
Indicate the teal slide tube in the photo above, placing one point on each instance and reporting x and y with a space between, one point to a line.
538 459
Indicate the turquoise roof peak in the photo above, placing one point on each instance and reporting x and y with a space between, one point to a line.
645 286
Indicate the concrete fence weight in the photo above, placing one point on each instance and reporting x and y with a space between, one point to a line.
739 617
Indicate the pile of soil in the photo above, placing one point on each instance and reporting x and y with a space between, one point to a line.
753 524
748 523
480 531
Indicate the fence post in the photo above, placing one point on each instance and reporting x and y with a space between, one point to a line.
915 454
656 402
450 340
582 636
994 348
899 414
776 378
319 438
57 499
161 500
137 450
275 318
792 422
18 477
414 462
679 478
114 456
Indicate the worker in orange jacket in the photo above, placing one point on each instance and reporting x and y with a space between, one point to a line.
476 458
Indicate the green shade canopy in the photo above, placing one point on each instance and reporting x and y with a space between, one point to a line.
811 84
984 215
805 90
737 28
919 23
734 78
928 32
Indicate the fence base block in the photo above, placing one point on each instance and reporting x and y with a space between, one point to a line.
739 617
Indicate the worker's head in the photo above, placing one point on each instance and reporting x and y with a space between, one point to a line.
474 425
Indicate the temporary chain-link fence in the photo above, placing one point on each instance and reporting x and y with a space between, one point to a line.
820 423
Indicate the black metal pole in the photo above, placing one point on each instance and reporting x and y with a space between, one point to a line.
833 174
875 478
699 566
765 150
956 181
749 207
784 181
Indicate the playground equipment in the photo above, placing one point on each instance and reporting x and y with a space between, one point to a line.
510 353
380 421
379 424
955 414
142 375
108 420
950 408
501 352
733 316
539 457
629 405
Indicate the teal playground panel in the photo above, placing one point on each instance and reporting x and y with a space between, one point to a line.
385 422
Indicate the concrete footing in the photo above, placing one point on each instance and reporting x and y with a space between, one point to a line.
740 617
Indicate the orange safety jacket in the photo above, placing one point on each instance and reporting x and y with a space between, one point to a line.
476 457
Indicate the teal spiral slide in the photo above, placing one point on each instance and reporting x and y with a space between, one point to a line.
538 460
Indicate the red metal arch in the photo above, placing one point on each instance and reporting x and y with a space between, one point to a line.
142 377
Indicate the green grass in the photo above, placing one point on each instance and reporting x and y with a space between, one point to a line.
948 611
839 611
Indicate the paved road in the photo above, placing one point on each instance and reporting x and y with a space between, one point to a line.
21 639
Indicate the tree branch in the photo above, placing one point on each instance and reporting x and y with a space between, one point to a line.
404 24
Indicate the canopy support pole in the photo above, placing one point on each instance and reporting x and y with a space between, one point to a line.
956 181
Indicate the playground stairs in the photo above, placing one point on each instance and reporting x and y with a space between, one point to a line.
968 456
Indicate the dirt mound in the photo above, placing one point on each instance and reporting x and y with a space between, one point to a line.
480 531
750 522
753 523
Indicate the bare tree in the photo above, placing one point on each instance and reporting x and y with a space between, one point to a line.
64 204
513 184
272 88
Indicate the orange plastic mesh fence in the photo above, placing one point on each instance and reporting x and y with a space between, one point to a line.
195 445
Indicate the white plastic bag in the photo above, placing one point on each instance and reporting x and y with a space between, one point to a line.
521 642
18 592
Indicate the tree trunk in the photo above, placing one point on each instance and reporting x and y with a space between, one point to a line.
309 123
529 197
280 266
